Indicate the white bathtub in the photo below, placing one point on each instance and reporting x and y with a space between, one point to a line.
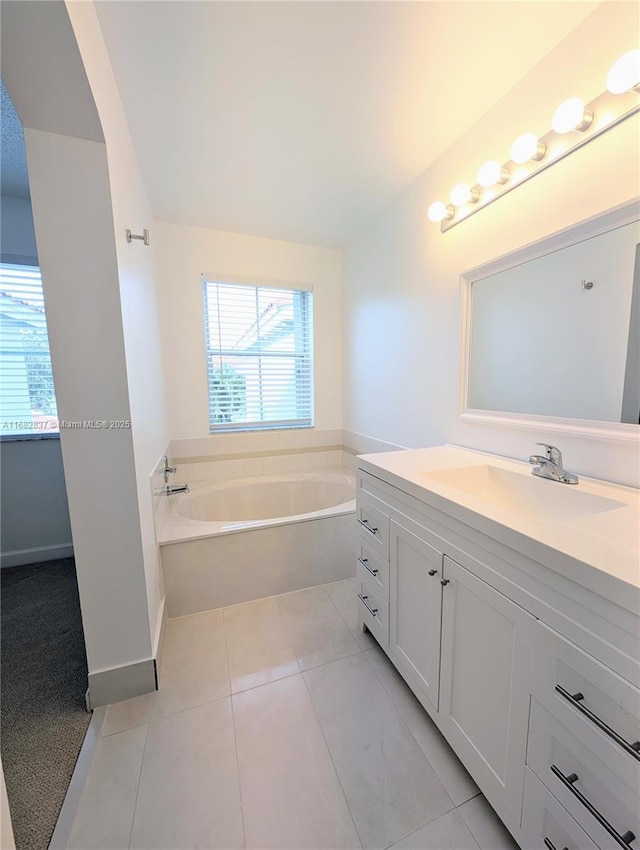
231 541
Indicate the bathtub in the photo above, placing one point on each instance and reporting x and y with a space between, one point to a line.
236 540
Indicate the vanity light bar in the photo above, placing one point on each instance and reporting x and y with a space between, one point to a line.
574 125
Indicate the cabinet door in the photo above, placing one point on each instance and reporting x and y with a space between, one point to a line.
484 685
415 596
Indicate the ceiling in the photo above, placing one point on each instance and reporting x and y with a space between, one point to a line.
14 179
299 120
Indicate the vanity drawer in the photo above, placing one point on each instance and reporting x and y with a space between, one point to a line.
373 526
587 784
373 610
546 824
588 698
372 567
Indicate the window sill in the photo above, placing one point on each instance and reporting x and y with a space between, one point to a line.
15 438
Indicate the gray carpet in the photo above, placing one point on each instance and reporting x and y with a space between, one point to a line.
44 679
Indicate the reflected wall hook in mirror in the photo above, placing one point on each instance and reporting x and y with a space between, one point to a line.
131 236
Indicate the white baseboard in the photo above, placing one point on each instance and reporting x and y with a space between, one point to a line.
36 555
161 630
119 683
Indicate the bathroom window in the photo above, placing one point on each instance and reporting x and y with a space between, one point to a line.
259 356
27 397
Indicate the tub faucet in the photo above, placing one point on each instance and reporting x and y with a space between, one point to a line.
172 489
549 465
166 469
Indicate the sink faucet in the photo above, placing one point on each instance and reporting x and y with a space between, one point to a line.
549 465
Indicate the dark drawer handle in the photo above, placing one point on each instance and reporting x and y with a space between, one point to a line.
551 846
569 782
363 599
365 524
576 701
365 564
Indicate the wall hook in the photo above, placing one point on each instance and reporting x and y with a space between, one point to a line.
144 238
586 284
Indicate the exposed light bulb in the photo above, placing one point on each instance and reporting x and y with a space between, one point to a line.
491 173
527 147
625 73
462 194
439 211
571 115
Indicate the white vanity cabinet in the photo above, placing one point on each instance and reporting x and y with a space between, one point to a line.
487 643
415 610
532 678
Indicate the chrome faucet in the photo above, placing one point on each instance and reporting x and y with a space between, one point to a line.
549 465
166 469
171 489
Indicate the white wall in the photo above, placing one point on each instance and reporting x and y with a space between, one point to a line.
17 236
402 276
80 193
138 300
34 513
183 254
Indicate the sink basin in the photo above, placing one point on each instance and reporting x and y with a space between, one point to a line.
530 496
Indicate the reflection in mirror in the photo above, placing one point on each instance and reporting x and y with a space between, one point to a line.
559 335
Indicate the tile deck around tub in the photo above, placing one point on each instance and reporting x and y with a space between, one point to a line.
279 725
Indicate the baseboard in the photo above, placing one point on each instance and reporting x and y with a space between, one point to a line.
64 824
161 630
36 555
118 683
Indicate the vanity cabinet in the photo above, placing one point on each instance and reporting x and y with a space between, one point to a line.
415 610
488 640
486 653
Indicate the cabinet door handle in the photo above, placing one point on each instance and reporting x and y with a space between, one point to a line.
365 524
444 582
432 572
365 564
372 611
552 846
576 701
569 782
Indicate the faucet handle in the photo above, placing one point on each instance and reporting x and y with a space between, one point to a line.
553 453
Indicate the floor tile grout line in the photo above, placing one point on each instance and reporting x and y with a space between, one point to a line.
135 803
474 839
333 764
413 737
455 805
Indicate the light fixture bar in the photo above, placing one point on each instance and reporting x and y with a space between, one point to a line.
608 109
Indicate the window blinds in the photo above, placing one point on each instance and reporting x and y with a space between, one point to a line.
27 397
259 356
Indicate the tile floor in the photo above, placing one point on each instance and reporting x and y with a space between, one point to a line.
279 725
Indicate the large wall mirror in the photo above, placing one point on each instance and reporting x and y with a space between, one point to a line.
551 333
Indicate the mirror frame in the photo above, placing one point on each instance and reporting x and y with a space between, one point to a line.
602 223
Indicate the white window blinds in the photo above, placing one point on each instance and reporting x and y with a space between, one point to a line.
27 398
259 356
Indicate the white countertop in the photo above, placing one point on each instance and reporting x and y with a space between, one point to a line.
599 551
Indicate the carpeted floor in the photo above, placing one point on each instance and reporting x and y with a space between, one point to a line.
42 699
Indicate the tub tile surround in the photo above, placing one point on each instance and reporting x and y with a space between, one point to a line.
334 756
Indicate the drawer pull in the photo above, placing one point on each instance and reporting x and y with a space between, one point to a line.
569 782
365 564
552 846
576 701
372 611
365 524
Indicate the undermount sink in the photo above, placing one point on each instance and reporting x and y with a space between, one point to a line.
532 497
